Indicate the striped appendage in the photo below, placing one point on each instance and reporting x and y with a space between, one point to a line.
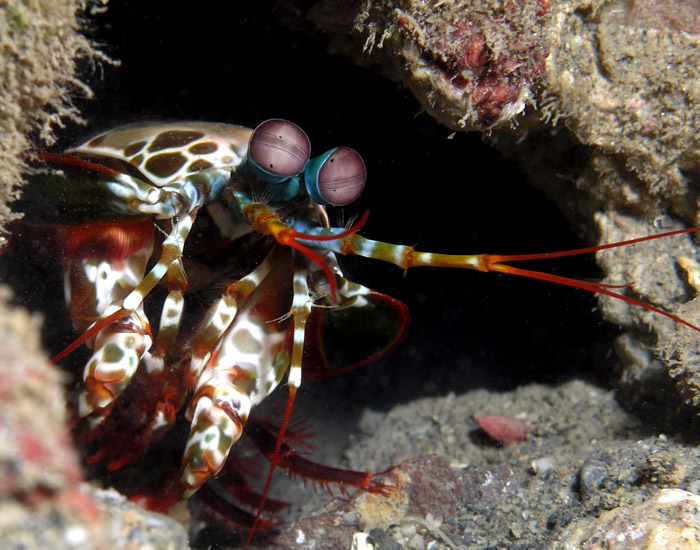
407 257
246 363
179 168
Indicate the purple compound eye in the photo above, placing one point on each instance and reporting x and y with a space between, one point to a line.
279 148
336 177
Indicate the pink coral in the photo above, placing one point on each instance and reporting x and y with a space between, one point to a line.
471 64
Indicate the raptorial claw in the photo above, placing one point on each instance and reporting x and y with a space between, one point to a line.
118 352
217 423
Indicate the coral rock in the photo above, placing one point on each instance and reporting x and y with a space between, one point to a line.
471 63
671 520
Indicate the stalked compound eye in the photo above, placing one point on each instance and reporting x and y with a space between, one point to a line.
278 150
337 177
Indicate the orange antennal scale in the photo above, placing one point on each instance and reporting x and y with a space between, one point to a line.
269 223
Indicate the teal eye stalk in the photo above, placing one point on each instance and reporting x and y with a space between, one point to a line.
336 177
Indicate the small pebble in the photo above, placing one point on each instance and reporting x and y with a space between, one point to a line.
591 476
504 429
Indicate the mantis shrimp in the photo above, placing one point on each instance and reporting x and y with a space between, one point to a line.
192 206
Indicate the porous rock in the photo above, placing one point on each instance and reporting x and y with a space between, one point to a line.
671 520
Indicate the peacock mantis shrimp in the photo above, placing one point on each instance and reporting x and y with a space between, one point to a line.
122 210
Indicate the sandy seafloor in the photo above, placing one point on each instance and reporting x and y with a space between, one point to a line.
585 455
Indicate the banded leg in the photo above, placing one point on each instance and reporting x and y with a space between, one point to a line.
172 393
171 255
301 310
173 308
187 371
